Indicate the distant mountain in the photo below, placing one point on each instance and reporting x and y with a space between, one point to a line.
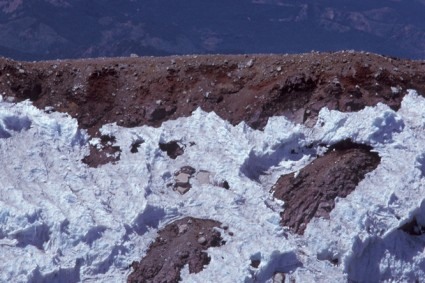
50 29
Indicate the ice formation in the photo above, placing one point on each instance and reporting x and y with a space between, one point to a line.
61 221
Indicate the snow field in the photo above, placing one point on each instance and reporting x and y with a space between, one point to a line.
61 221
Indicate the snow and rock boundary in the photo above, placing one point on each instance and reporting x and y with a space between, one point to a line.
68 222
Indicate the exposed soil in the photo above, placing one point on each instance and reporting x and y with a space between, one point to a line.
105 152
148 91
182 242
313 191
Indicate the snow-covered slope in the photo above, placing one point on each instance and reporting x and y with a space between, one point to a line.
61 221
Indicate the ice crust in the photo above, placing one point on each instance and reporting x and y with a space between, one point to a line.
61 221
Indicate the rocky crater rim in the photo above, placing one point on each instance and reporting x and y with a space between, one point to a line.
252 88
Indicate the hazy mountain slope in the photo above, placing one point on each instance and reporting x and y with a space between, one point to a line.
43 29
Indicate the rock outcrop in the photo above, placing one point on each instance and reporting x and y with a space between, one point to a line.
311 192
183 242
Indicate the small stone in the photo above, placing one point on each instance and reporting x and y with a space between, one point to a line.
255 263
49 109
279 278
223 184
395 90
250 63
183 228
182 190
202 240
188 170
182 178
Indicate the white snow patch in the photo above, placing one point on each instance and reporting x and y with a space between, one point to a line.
63 221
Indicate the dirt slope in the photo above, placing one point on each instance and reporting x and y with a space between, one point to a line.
148 91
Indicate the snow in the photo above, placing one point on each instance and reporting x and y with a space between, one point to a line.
61 221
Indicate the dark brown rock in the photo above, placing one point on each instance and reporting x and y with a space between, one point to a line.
172 148
255 263
148 91
177 244
106 153
313 191
134 148
223 184
187 170
99 91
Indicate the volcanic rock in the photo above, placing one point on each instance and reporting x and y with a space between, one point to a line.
96 92
312 192
172 148
182 179
134 148
174 248
103 153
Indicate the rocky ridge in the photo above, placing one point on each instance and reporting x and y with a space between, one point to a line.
251 88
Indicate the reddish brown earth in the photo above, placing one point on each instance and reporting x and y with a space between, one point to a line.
148 91
313 191
108 152
182 242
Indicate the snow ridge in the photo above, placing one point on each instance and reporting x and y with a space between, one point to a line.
62 221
